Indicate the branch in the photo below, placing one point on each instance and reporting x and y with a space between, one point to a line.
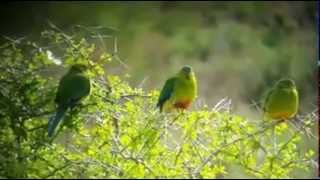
296 162
56 170
52 173
107 166
137 161
34 115
128 96
253 170
38 127
214 153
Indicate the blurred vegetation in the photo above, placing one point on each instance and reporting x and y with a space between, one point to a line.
237 49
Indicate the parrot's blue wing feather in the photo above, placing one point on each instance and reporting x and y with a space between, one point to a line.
166 92
54 120
266 98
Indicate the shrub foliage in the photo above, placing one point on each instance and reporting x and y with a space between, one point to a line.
117 132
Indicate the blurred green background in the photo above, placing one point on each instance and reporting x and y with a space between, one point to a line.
237 49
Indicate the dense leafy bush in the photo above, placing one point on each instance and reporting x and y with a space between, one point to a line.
118 133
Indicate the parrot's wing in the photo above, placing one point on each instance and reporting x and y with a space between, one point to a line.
60 89
72 88
266 98
166 92
81 89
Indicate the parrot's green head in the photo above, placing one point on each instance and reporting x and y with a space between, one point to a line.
78 68
286 84
186 72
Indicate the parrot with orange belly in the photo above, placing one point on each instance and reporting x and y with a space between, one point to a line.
179 91
282 101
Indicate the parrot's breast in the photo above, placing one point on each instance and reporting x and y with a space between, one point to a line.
282 104
282 115
182 104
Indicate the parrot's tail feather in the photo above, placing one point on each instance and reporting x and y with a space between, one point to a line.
54 120
159 105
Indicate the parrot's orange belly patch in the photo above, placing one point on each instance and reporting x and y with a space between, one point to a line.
182 104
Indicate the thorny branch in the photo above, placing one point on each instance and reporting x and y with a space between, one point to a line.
214 153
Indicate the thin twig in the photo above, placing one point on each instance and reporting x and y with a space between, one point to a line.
214 153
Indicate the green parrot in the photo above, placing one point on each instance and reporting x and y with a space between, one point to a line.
179 91
282 101
73 87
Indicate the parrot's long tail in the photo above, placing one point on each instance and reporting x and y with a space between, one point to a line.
54 120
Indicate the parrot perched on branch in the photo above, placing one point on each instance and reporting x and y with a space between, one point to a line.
282 101
179 91
73 87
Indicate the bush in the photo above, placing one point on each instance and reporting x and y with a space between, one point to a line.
117 132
